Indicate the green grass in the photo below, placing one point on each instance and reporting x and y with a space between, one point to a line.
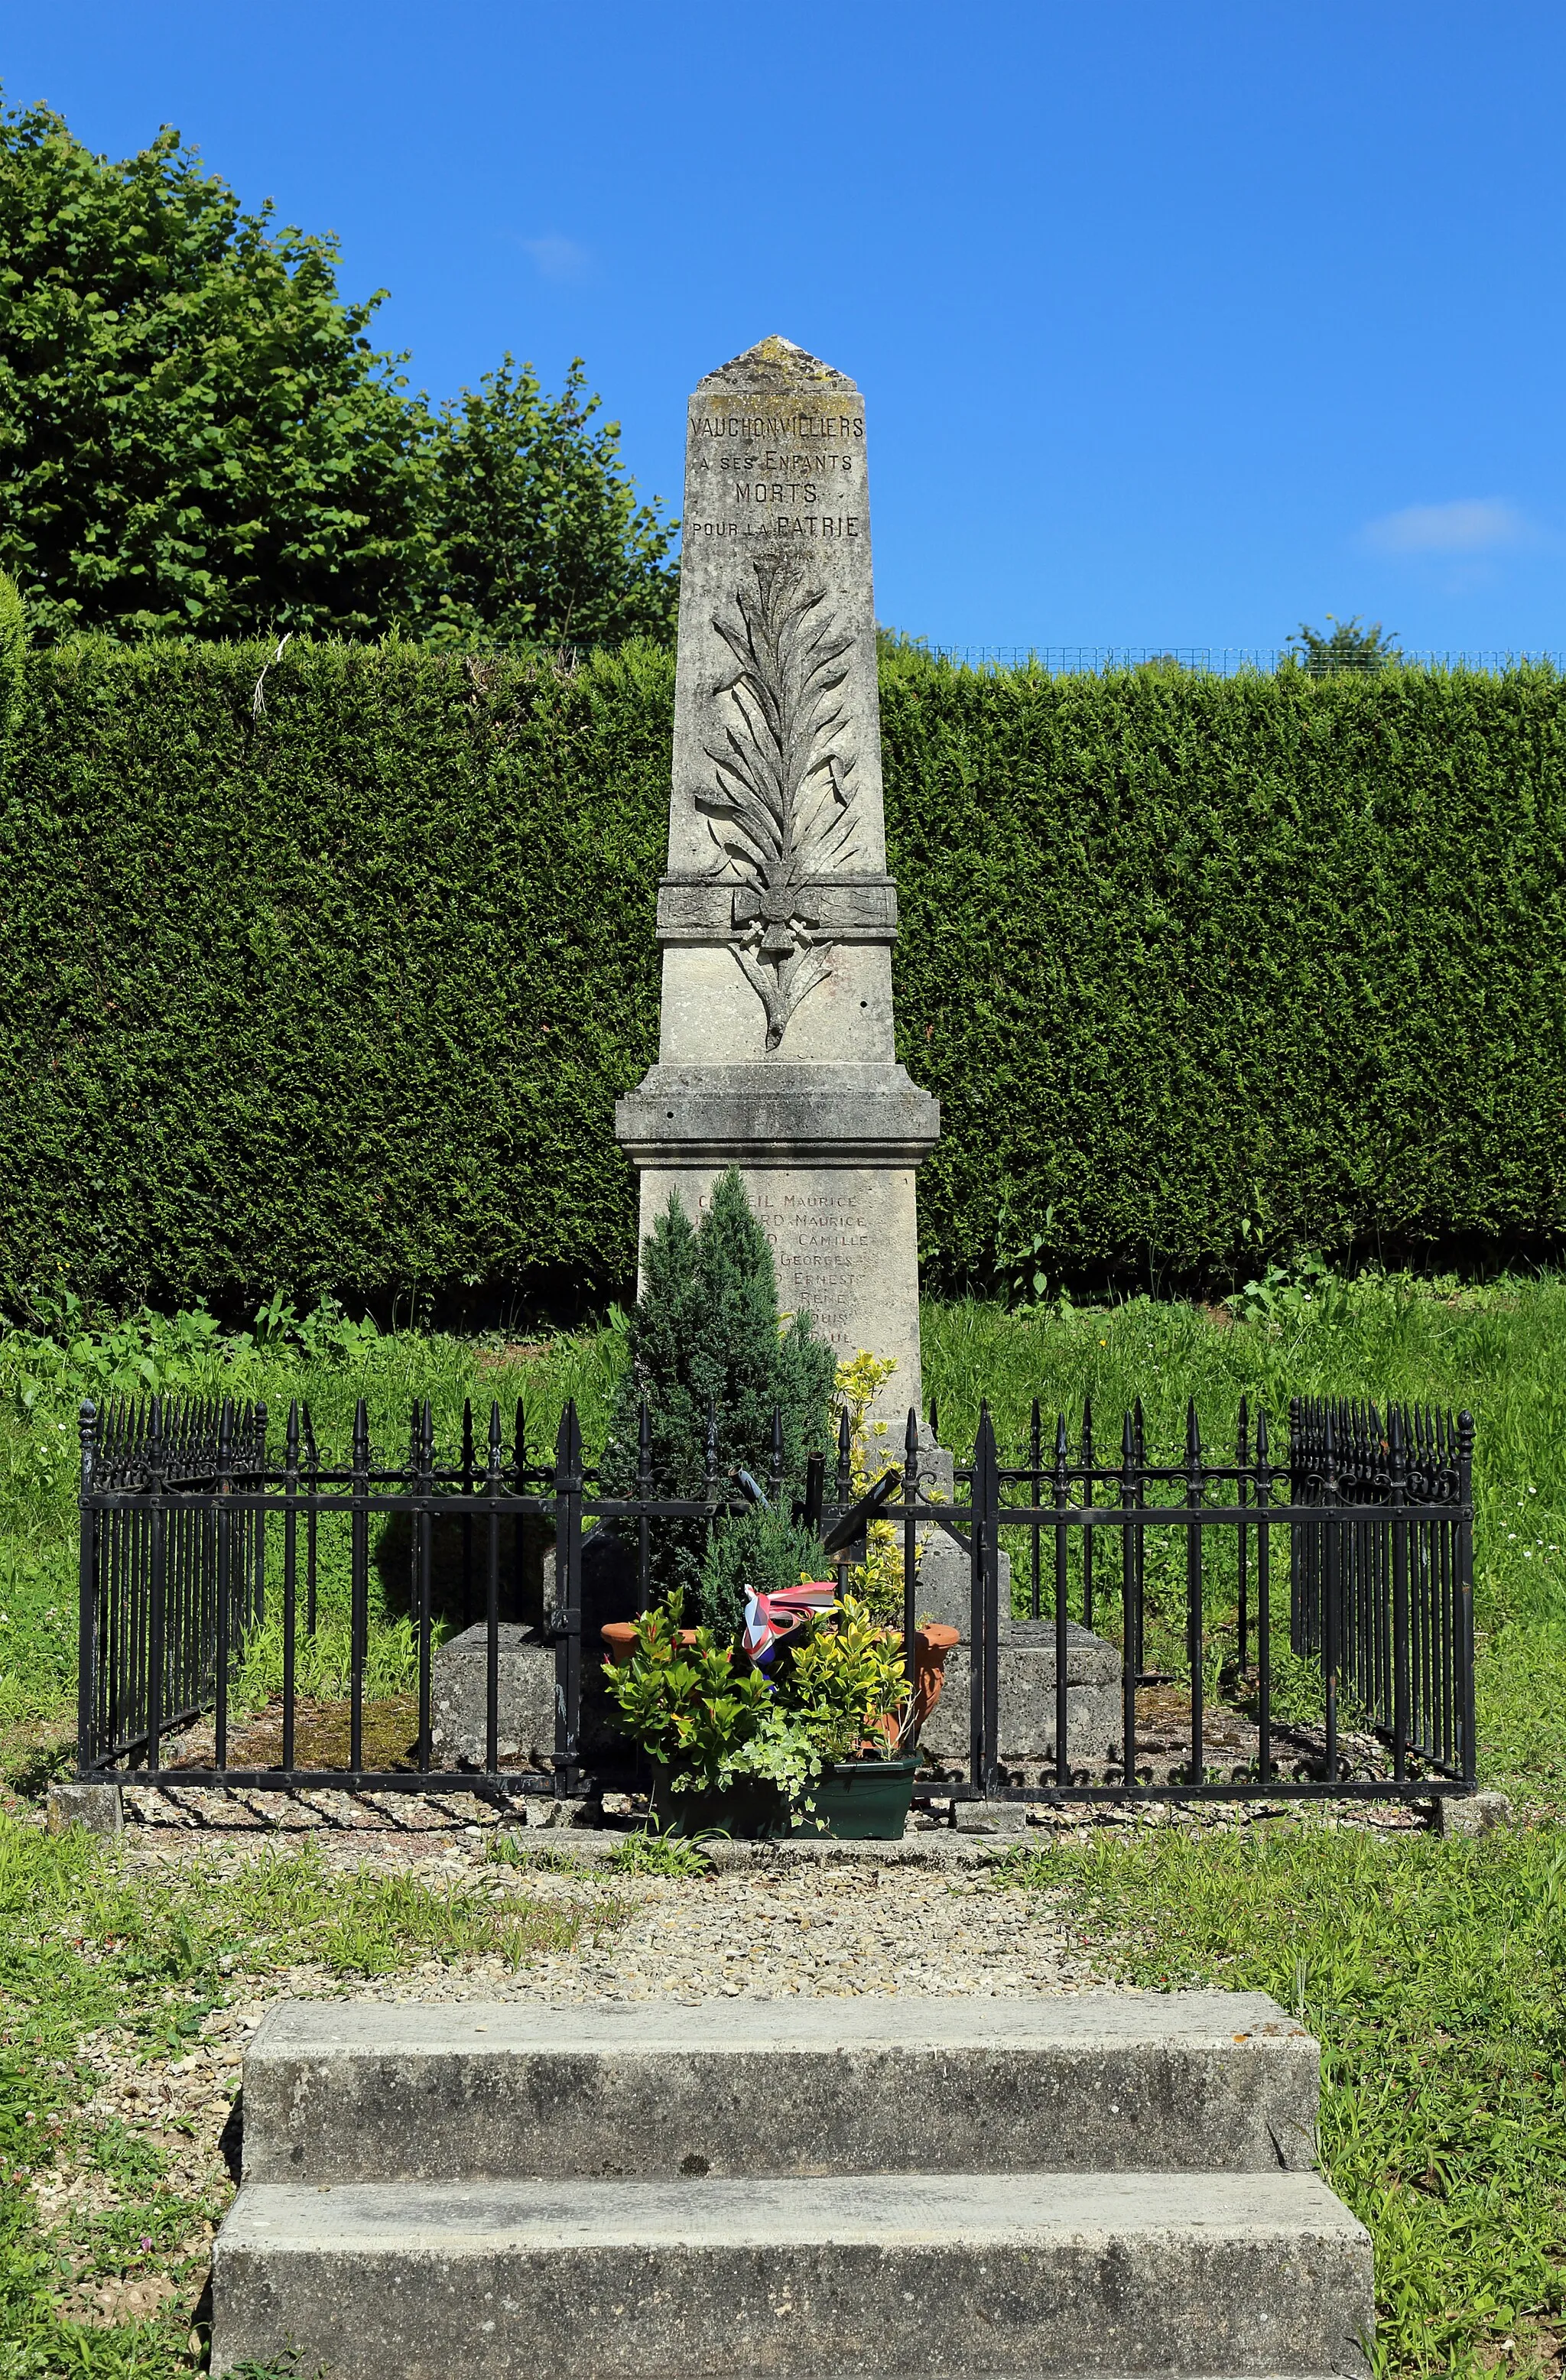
1432 1970
86 1943
1434 1975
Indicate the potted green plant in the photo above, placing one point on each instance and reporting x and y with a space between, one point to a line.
824 1744
727 1756
844 1685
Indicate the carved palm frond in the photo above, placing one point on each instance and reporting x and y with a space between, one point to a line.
782 805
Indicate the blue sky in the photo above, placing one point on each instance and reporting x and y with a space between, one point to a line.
1176 323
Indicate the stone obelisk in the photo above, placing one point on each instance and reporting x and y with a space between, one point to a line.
777 915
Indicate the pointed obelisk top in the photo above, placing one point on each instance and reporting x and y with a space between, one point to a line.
776 363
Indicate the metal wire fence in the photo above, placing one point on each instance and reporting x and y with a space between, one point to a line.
1212 660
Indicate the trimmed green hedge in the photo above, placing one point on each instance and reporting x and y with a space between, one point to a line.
342 996
1180 952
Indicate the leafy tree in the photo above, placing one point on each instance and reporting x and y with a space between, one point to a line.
198 438
1343 645
704 1335
200 441
538 530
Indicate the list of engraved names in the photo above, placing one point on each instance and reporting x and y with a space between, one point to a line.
818 1239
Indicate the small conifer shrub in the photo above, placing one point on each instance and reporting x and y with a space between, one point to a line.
705 1337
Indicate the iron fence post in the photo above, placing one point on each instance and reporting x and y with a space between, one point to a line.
1330 1591
644 1498
910 1547
223 1594
313 1460
256 1602
290 1573
424 1462
1263 1600
1036 1488
469 1464
86 1596
358 1582
1196 1640
1465 1586
493 1485
1088 1534
1397 1476
976 1635
1129 1616
1139 1436
1062 1489
987 1543
568 1601
1242 1469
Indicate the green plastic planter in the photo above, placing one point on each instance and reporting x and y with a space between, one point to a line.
860 1801
749 1810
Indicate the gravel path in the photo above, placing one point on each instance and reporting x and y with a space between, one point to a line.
807 1931
929 1916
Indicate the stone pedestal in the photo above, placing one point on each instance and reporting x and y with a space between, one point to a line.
777 915
1027 1667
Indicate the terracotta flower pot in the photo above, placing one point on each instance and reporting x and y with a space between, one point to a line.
931 1645
620 1639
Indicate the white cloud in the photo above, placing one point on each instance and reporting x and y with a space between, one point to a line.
557 259
1471 525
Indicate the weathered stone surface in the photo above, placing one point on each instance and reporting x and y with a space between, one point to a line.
777 915
1472 1813
896 2275
1027 1667
1026 1679
525 1699
1106 2080
97 1807
526 1702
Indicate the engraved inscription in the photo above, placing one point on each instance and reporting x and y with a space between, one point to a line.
825 525
762 428
818 1240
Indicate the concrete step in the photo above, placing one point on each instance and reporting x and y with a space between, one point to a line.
1101 2081
924 2276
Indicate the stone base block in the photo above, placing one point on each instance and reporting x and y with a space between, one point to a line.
1027 1699
458 1683
97 1807
1472 1813
458 1698
458 1701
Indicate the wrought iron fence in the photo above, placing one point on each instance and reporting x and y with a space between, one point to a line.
1262 1626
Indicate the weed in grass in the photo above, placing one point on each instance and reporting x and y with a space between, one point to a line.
1434 1975
642 1854
124 2155
505 1850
